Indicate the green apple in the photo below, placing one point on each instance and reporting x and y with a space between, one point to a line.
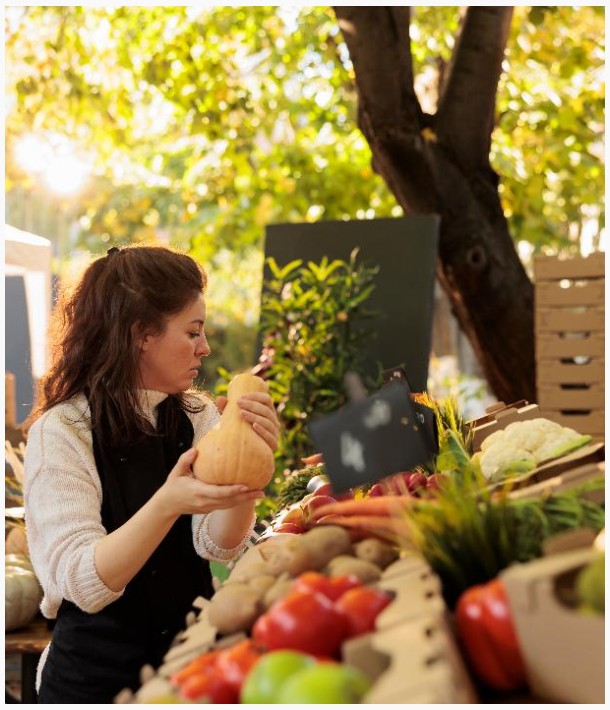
270 673
325 683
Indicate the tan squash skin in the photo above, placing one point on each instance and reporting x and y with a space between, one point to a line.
232 452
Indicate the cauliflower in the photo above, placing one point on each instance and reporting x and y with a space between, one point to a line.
524 444
499 457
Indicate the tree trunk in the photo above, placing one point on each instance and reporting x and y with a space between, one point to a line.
440 164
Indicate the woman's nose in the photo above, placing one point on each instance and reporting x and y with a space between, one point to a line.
203 350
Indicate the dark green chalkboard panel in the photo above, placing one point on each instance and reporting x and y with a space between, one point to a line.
405 250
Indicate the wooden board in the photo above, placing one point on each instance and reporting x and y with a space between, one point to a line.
585 423
575 267
32 638
561 482
589 293
554 397
569 320
551 346
571 373
10 402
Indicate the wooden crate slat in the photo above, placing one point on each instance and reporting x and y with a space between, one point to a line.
552 267
555 345
569 320
550 293
567 374
554 397
588 423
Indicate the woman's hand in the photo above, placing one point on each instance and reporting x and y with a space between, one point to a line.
182 493
257 409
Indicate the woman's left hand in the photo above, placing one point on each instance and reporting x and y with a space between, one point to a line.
257 408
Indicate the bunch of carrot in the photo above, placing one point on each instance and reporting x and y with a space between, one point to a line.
380 516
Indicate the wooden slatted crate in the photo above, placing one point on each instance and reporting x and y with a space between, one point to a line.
570 341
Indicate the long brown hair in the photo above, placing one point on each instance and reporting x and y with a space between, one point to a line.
95 328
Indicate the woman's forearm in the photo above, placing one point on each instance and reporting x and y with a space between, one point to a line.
228 527
121 554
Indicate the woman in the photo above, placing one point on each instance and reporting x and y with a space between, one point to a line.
120 532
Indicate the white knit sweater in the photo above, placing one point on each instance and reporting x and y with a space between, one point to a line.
63 497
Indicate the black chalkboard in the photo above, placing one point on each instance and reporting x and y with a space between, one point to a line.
371 438
405 250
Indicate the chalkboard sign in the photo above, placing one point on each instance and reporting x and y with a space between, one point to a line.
405 251
372 438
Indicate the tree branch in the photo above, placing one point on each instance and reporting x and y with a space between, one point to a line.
380 50
465 117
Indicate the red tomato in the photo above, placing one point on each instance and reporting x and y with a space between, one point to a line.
331 587
302 621
235 662
209 684
361 607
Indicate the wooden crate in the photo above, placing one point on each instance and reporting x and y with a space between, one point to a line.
570 340
556 396
550 268
583 421
557 345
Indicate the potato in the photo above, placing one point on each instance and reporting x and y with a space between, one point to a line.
261 583
280 589
234 607
344 565
376 551
324 543
254 568
292 556
251 558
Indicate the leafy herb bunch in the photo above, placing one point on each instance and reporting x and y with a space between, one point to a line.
316 328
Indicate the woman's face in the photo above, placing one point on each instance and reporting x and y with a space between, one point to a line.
169 361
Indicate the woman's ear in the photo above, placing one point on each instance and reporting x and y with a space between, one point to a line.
142 337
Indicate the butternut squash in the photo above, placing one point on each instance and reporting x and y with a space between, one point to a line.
232 452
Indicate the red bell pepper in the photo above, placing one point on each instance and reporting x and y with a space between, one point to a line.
487 635
302 621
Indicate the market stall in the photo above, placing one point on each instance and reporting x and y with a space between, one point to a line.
477 579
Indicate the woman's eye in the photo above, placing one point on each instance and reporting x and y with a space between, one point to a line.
195 335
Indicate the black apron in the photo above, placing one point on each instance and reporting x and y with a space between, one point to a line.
94 656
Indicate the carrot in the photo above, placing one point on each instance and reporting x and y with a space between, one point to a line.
197 665
380 505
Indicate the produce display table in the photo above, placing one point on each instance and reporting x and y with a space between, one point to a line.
28 642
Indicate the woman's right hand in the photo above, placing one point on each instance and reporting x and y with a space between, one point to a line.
182 493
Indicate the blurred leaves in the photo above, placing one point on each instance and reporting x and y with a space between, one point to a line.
215 121
315 328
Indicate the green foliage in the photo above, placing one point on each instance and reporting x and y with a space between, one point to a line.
549 138
210 123
315 330
294 486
